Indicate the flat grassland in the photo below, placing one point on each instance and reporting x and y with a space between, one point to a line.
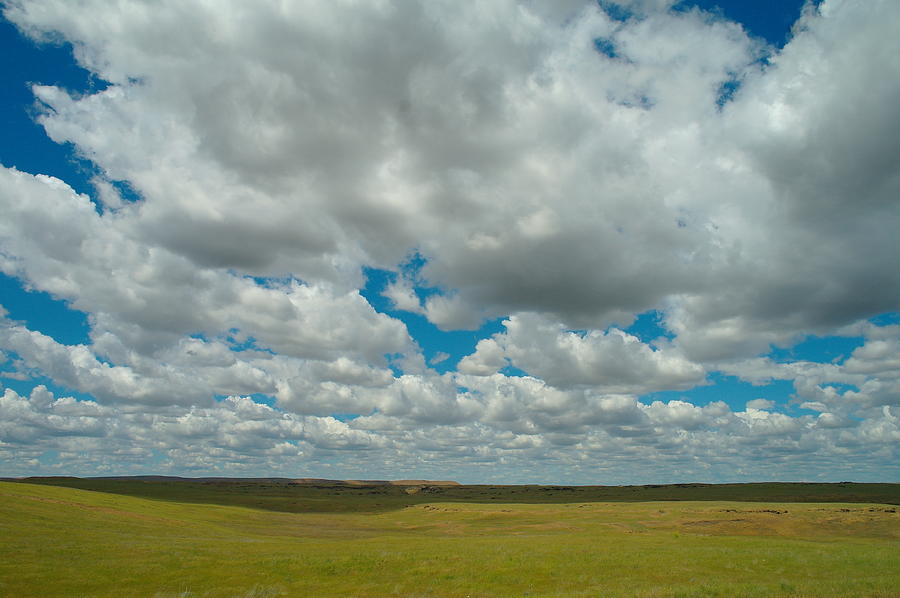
265 538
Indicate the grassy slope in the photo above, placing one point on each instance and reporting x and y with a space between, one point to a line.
68 542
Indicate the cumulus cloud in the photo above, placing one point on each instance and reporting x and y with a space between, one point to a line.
60 244
552 165
78 368
503 145
613 361
403 297
240 436
236 427
760 404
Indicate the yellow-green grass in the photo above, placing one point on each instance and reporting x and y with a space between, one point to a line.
57 541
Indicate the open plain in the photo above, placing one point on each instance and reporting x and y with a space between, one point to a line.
168 538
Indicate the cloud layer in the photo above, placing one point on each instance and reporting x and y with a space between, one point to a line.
554 167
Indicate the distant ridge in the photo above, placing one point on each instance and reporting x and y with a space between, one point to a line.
225 480
401 483
308 493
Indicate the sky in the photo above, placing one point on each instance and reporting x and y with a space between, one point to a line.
615 242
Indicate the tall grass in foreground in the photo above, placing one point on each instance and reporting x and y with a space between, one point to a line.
68 542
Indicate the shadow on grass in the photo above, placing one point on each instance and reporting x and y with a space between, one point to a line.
333 497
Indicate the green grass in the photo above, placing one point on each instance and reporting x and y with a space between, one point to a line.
187 539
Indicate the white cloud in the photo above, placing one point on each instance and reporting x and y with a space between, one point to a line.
542 181
503 146
683 415
78 368
876 356
614 362
562 431
488 358
403 297
439 357
760 404
61 245
451 313
866 381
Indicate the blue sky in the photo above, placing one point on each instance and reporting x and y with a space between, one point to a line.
487 254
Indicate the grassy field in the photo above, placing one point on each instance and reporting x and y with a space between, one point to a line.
253 539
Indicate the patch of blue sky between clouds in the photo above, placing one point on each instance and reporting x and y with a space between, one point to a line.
829 349
512 371
24 387
270 282
434 342
648 327
819 349
238 343
345 417
126 191
726 93
771 20
606 47
615 11
732 391
886 319
411 270
40 312
24 143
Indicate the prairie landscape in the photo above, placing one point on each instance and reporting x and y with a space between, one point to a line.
172 537
571 241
